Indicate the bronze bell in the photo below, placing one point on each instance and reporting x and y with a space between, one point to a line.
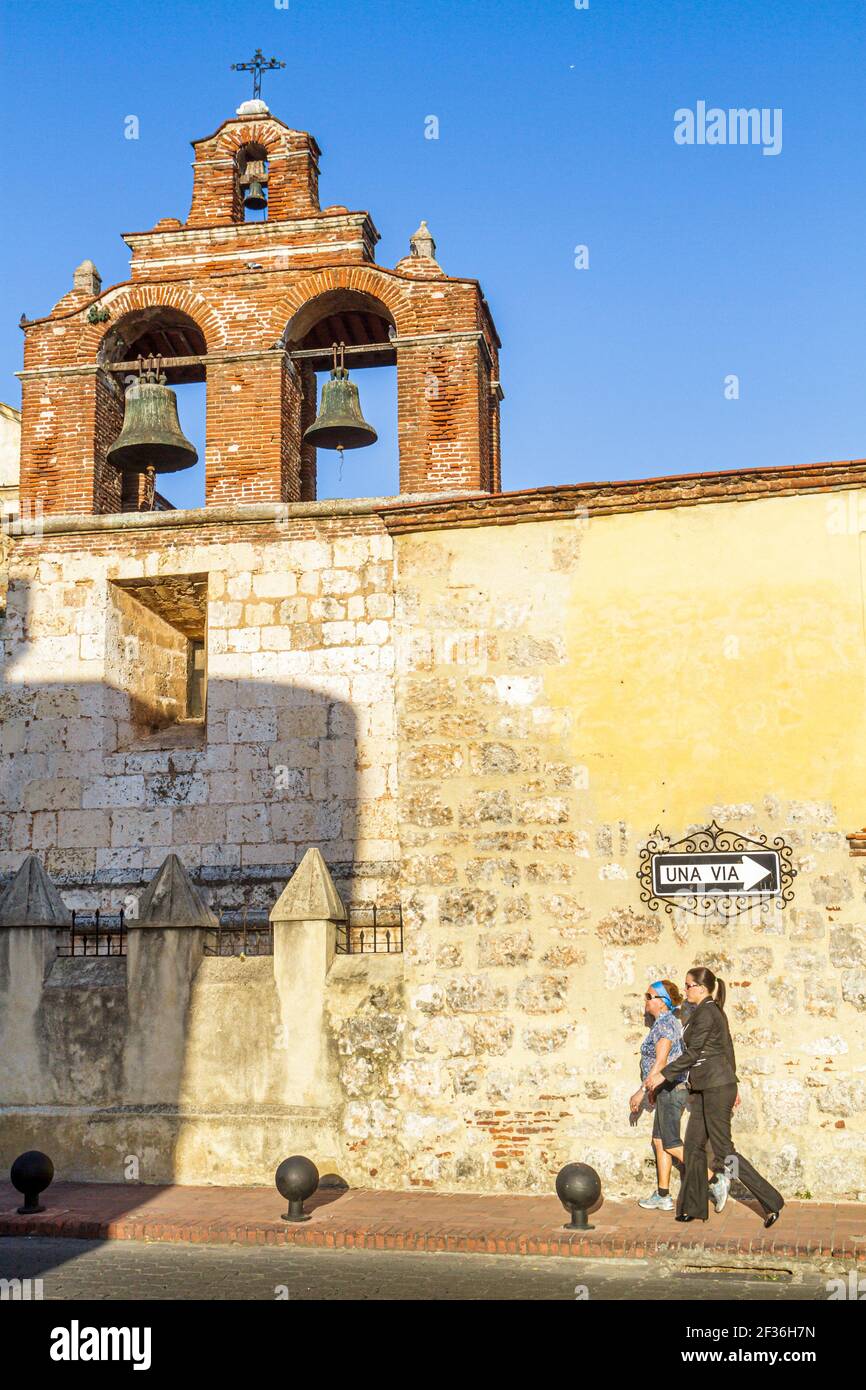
254 198
253 181
151 436
339 423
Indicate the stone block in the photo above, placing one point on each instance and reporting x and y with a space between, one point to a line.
542 994
133 829
504 949
475 994
854 988
114 791
280 585
623 927
493 1034
467 908
339 582
53 794
82 829
252 726
248 825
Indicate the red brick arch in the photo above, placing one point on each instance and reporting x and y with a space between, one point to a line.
236 135
151 296
364 279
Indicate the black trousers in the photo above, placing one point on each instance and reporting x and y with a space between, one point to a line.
710 1119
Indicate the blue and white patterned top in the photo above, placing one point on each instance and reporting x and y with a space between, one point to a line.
667 1025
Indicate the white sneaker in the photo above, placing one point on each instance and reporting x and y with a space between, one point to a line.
719 1189
657 1203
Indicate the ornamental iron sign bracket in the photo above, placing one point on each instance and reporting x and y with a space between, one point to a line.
715 871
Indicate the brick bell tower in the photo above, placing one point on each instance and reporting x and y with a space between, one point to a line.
252 307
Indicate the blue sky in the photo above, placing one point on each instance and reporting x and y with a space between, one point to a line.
555 130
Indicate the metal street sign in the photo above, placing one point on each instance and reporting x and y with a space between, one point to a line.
715 871
755 874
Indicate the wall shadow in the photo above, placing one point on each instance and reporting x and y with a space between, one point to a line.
275 774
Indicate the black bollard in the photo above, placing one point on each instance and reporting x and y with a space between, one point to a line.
31 1173
578 1187
297 1179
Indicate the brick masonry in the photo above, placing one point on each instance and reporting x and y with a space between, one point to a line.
245 292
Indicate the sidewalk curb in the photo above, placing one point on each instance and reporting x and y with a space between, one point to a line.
333 1226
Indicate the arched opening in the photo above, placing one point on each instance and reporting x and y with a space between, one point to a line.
160 331
251 172
366 326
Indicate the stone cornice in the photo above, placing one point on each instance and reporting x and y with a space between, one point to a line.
198 518
427 512
631 495
229 231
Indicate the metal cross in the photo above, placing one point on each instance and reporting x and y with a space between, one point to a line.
257 65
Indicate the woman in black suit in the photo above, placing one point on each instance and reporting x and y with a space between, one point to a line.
709 1056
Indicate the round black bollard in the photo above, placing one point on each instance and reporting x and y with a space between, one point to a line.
578 1187
31 1174
297 1179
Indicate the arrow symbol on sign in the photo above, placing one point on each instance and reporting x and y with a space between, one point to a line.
751 872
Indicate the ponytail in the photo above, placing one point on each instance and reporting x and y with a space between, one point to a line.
702 975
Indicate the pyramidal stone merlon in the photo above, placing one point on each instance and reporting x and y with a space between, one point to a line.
309 895
171 899
31 900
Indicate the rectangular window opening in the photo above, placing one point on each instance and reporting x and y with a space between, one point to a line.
157 660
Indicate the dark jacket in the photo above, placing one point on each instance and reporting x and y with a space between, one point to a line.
708 1052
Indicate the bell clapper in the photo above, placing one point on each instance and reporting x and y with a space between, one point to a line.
340 470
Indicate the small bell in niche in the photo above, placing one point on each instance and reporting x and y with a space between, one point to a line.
254 181
339 423
254 198
151 436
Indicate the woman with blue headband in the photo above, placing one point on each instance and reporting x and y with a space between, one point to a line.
708 1052
661 1046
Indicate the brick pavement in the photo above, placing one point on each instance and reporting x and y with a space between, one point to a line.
367 1219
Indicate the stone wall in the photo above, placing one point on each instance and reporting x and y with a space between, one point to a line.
487 722
565 690
96 1078
300 712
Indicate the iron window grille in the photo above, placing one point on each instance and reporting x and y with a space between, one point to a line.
370 928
